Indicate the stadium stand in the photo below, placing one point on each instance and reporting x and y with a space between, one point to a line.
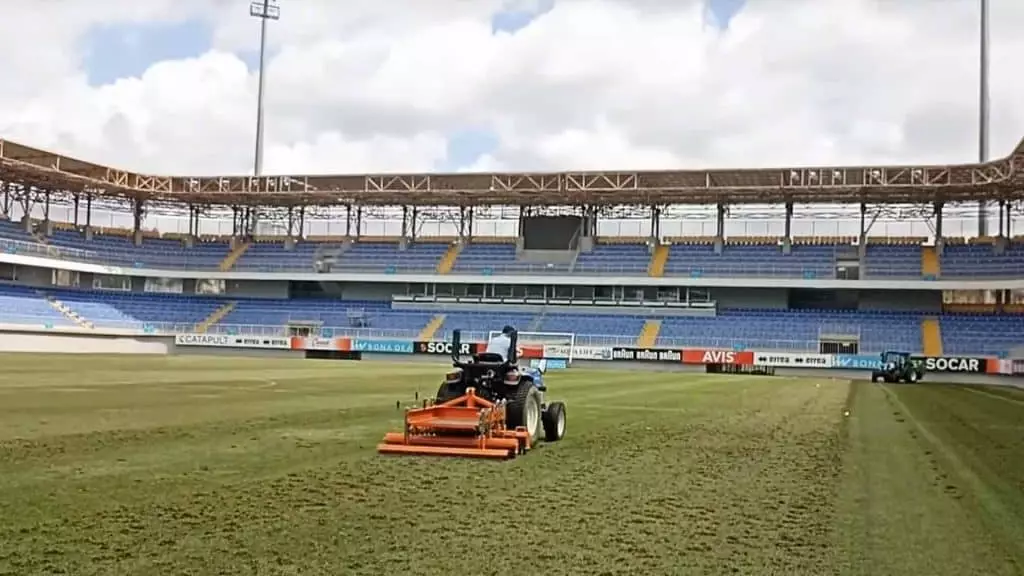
738 261
26 306
972 334
783 330
552 241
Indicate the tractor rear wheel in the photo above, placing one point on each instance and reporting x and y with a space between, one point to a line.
523 409
554 422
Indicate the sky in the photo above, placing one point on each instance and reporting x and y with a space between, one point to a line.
169 86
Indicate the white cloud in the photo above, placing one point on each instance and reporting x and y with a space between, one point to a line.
371 85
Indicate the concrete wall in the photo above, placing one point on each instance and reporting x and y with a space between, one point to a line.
36 276
256 289
774 298
901 300
68 343
367 291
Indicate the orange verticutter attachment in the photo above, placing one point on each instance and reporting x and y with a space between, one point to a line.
468 426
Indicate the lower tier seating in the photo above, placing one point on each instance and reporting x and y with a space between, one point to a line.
790 330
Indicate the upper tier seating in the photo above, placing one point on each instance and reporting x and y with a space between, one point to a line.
273 257
737 261
152 253
631 259
980 260
696 258
487 259
390 258
892 261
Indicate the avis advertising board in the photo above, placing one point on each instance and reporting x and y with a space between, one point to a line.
698 356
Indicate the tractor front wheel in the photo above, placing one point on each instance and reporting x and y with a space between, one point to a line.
554 422
447 391
523 409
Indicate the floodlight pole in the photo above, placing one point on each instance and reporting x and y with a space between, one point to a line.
264 10
983 109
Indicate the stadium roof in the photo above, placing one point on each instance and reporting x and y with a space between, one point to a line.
999 179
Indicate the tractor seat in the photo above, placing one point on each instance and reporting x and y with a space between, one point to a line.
488 358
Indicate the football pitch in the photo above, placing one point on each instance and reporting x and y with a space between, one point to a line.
154 466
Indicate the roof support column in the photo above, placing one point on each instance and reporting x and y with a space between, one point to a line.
719 227
940 241
7 200
47 224
88 216
26 208
862 236
75 217
655 238
1009 220
787 239
193 226
138 211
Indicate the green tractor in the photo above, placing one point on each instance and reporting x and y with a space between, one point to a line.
898 367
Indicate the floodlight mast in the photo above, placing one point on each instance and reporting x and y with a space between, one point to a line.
264 10
983 108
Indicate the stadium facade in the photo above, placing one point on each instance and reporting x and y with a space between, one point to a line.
686 279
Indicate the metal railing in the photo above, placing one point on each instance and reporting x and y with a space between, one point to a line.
170 328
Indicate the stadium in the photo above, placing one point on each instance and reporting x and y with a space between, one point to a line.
206 425
316 256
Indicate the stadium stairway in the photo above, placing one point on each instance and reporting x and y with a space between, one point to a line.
447 262
929 263
428 331
656 268
229 261
931 337
649 334
214 317
68 312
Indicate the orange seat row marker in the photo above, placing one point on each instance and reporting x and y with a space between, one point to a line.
467 426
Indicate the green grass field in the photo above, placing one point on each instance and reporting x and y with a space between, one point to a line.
160 466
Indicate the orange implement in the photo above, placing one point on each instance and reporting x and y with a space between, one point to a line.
468 426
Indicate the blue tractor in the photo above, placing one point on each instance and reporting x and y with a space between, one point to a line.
898 367
495 379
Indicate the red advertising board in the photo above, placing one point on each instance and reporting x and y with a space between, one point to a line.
698 356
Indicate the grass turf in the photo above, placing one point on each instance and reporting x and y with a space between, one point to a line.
118 465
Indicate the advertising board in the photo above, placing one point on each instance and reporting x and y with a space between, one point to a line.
445 348
701 356
646 355
591 353
959 364
788 360
856 362
228 341
382 346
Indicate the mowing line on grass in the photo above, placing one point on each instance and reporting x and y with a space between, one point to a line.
981 490
991 395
